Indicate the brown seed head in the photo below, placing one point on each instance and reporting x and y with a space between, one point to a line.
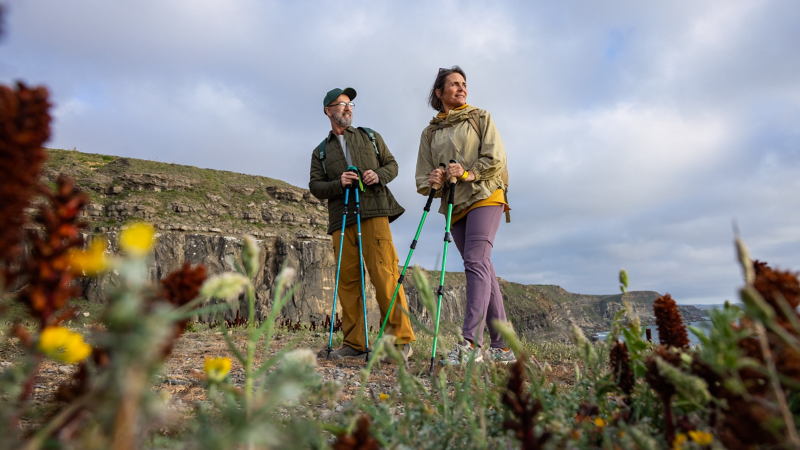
671 331
523 409
772 284
654 378
361 439
621 367
24 127
47 267
183 285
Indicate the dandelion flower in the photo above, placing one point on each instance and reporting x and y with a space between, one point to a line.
89 262
680 439
599 422
384 396
137 239
63 345
217 368
701 437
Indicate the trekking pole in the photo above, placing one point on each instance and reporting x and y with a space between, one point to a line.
447 239
338 266
361 260
434 189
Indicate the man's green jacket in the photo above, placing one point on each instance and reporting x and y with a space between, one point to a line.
376 200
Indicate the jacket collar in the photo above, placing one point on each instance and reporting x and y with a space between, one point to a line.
333 136
454 116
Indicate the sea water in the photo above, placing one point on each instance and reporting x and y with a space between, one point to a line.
703 325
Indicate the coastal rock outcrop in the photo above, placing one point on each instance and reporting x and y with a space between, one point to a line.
201 215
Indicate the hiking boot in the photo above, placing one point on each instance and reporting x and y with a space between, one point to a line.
500 356
462 354
346 352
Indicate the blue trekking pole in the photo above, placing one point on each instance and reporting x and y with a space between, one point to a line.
338 266
361 260
447 239
426 210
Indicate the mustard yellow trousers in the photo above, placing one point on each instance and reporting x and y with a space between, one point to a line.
381 262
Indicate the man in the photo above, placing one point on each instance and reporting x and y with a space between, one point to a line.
347 146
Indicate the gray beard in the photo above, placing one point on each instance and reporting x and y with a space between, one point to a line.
340 119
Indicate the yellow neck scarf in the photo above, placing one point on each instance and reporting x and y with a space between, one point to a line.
443 115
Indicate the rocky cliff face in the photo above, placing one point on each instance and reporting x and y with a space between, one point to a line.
201 214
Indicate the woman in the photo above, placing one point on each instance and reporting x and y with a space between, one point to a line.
468 135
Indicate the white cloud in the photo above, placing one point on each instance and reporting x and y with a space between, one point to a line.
636 132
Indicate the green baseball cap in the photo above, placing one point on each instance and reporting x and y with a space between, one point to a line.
333 94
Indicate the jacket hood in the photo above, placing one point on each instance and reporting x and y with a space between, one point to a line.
454 116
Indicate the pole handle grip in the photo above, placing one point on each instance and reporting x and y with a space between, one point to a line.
436 187
453 179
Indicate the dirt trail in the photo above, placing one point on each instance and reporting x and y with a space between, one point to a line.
182 375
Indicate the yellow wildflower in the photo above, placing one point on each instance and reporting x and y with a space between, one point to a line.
89 262
680 439
383 396
63 345
599 422
137 239
217 368
701 437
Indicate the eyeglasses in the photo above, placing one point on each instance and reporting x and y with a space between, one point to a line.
344 105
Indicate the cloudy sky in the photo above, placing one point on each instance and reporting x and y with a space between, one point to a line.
636 131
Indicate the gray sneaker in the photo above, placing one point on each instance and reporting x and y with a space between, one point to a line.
462 354
499 356
346 352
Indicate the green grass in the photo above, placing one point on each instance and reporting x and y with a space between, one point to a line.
95 173
13 312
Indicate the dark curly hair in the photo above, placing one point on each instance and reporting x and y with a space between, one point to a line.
433 100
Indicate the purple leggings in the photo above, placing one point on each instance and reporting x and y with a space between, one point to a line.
474 236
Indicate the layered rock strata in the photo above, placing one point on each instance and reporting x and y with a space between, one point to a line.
201 215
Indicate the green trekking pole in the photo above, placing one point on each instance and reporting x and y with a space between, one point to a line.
447 239
426 210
